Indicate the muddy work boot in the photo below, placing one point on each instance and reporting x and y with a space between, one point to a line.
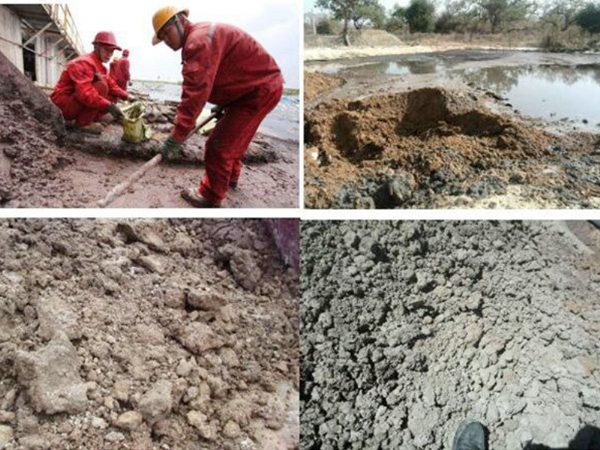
93 128
470 436
193 198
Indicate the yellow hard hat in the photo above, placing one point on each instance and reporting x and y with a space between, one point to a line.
162 16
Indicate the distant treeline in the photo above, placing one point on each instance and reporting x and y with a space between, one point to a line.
456 16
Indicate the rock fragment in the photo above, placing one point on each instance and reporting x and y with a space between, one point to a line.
51 377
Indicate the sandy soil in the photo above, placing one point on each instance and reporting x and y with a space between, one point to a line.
427 141
331 53
411 327
146 335
380 43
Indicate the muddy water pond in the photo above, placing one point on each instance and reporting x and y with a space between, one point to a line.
533 84
550 92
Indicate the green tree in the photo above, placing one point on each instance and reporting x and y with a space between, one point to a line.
589 18
420 16
342 10
324 26
399 12
499 12
371 12
447 23
560 14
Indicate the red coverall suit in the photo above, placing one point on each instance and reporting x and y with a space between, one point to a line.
84 89
119 71
227 67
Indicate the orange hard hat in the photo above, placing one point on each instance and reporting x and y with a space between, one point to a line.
106 38
162 16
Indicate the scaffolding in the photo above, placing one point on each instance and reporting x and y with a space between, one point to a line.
53 20
61 16
39 39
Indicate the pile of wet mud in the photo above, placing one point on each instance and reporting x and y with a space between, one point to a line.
433 147
364 38
146 335
31 132
408 328
316 84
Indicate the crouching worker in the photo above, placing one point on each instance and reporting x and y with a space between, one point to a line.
227 67
84 89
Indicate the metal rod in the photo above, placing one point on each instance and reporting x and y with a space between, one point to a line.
24 48
34 37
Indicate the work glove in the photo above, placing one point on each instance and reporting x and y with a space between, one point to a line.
115 112
171 149
218 111
131 98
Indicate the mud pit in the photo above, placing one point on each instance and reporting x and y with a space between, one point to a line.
146 335
409 328
435 147
42 166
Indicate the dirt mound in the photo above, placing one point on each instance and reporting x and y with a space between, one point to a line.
146 335
31 130
16 86
373 38
427 140
316 84
30 151
409 328
363 38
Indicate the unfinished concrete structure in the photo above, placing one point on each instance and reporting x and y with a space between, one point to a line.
39 39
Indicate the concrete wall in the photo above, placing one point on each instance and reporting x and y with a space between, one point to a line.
10 28
49 68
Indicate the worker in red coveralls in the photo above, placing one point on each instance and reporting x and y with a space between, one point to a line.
84 89
119 70
227 67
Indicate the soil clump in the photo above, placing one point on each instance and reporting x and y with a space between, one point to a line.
146 334
411 327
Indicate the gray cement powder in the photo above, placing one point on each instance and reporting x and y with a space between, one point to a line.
408 328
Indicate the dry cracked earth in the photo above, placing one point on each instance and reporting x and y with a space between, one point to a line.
147 334
408 328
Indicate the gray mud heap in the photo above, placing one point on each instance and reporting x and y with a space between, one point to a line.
146 335
409 328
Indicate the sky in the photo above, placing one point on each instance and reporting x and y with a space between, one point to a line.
273 23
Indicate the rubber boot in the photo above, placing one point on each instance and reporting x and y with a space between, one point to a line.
192 196
470 436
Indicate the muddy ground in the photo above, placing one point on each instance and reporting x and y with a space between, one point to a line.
42 166
146 335
408 328
426 140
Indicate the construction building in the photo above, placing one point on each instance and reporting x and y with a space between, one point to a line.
39 39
